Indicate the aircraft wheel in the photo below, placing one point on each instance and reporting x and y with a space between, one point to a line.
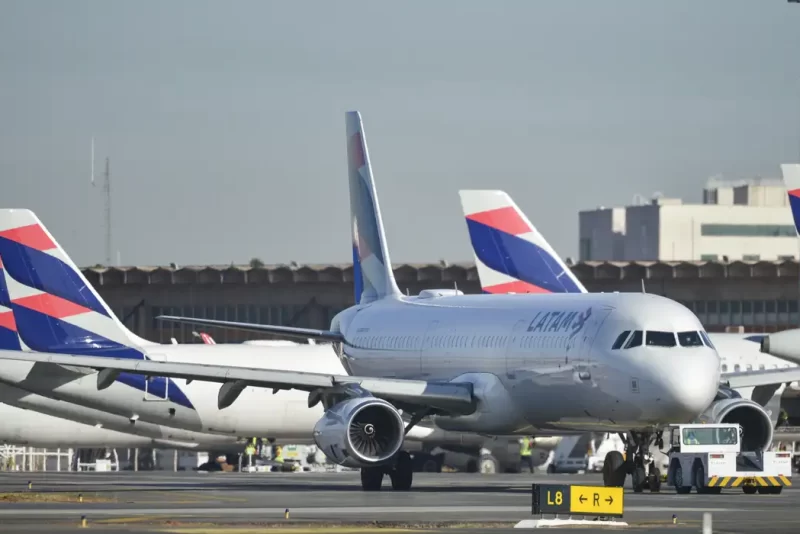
638 479
403 473
654 480
614 470
749 490
371 478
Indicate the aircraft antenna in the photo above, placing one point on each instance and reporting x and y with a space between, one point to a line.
107 194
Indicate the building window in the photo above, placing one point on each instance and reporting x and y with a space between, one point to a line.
708 257
751 257
748 230
786 257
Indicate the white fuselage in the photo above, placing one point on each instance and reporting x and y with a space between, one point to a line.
527 357
542 362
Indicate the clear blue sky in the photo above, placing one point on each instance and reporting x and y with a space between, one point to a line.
224 121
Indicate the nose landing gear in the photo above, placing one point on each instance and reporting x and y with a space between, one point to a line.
637 462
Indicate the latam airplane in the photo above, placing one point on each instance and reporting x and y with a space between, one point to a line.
489 364
786 344
46 304
512 256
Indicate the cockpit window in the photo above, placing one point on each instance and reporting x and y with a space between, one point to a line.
660 339
707 339
690 339
635 340
620 340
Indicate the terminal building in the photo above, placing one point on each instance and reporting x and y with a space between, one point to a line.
748 221
759 296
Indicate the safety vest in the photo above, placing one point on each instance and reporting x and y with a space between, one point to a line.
279 456
250 450
525 447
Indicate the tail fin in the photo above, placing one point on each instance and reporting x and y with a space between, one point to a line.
791 179
510 254
54 308
9 340
371 263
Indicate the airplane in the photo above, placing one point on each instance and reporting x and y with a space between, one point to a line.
488 364
512 256
786 344
155 408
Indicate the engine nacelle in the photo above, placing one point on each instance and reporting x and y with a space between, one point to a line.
755 421
360 432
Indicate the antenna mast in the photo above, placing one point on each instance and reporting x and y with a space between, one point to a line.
107 192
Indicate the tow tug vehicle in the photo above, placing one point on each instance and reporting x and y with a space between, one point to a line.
708 457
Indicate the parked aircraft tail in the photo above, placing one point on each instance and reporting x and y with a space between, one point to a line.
55 309
791 179
510 254
372 267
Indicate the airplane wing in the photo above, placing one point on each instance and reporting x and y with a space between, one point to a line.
765 377
283 331
442 397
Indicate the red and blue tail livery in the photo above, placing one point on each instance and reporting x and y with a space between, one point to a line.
791 179
510 254
46 304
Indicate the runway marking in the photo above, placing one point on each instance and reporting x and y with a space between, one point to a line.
326 511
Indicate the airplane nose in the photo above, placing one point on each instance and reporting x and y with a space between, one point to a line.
689 382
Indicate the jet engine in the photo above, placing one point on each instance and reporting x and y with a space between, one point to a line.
754 420
360 432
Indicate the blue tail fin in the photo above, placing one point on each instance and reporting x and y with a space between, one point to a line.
371 263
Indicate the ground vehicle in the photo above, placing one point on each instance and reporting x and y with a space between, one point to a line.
709 457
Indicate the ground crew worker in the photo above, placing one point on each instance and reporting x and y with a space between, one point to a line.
783 419
691 439
250 450
525 450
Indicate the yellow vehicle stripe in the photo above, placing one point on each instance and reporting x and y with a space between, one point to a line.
761 481
737 482
773 482
785 480
712 482
725 482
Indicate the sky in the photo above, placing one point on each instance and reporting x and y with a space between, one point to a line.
224 121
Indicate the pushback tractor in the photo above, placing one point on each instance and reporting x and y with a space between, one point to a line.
708 457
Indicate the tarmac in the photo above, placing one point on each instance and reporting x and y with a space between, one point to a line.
237 503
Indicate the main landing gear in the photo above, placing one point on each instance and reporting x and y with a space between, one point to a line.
400 472
636 462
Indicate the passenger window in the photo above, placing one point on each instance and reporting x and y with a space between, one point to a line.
635 340
761 367
689 339
620 340
724 368
660 339
736 367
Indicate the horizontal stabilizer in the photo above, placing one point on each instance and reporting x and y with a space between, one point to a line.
282 331
442 397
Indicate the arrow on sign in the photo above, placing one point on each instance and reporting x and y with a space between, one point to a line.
609 500
581 498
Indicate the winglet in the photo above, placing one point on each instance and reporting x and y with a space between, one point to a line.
371 262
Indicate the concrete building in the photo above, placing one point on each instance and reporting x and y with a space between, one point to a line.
747 221
760 296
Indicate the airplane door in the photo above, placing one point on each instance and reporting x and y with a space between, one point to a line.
156 388
428 349
516 356
593 322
